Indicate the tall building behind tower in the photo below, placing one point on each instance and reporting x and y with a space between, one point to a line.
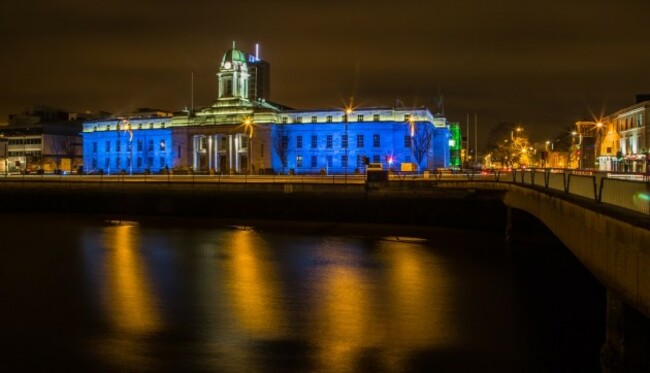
259 81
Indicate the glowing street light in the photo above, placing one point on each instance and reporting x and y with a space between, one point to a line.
248 126
346 114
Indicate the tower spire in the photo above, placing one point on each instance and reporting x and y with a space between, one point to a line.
233 44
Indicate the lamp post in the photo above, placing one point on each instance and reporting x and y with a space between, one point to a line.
598 146
412 133
248 125
6 151
347 112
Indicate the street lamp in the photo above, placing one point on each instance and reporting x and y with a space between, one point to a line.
598 146
348 111
6 151
248 125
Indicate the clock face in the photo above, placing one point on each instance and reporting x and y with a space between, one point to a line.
227 65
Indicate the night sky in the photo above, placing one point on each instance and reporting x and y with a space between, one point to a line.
543 64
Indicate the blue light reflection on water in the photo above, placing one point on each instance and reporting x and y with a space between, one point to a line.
132 297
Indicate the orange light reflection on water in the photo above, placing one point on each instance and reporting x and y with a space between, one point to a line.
348 321
129 302
252 286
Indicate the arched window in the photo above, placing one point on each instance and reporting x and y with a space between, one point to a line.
228 87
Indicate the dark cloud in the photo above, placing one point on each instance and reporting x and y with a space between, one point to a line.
545 64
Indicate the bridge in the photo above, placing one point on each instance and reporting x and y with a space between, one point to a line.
604 221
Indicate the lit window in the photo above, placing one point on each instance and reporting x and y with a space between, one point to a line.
299 161
162 145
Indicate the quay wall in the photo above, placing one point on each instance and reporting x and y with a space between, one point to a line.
396 203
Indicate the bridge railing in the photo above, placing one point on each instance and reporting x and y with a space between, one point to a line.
633 195
629 191
622 190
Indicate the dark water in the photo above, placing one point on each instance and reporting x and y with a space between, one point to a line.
83 294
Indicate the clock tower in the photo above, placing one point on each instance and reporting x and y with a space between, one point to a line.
233 75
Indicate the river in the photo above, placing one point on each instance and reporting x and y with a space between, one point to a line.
98 294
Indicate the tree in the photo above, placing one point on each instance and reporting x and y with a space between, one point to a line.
509 144
63 147
421 142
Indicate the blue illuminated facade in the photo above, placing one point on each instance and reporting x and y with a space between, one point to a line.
130 145
238 135
317 141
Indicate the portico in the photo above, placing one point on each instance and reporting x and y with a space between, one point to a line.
221 152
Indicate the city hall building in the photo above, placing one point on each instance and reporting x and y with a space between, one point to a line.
244 132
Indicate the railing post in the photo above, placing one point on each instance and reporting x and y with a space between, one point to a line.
597 179
547 177
566 180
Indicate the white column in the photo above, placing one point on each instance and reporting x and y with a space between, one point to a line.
209 155
195 152
237 148
231 147
215 152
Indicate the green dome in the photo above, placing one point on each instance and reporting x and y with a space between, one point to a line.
234 56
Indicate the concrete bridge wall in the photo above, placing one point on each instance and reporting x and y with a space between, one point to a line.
615 251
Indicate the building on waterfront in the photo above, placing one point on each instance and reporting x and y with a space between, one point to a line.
135 143
245 132
625 141
41 139
455 144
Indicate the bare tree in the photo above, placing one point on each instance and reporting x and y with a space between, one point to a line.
281 144
421 142
63 147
